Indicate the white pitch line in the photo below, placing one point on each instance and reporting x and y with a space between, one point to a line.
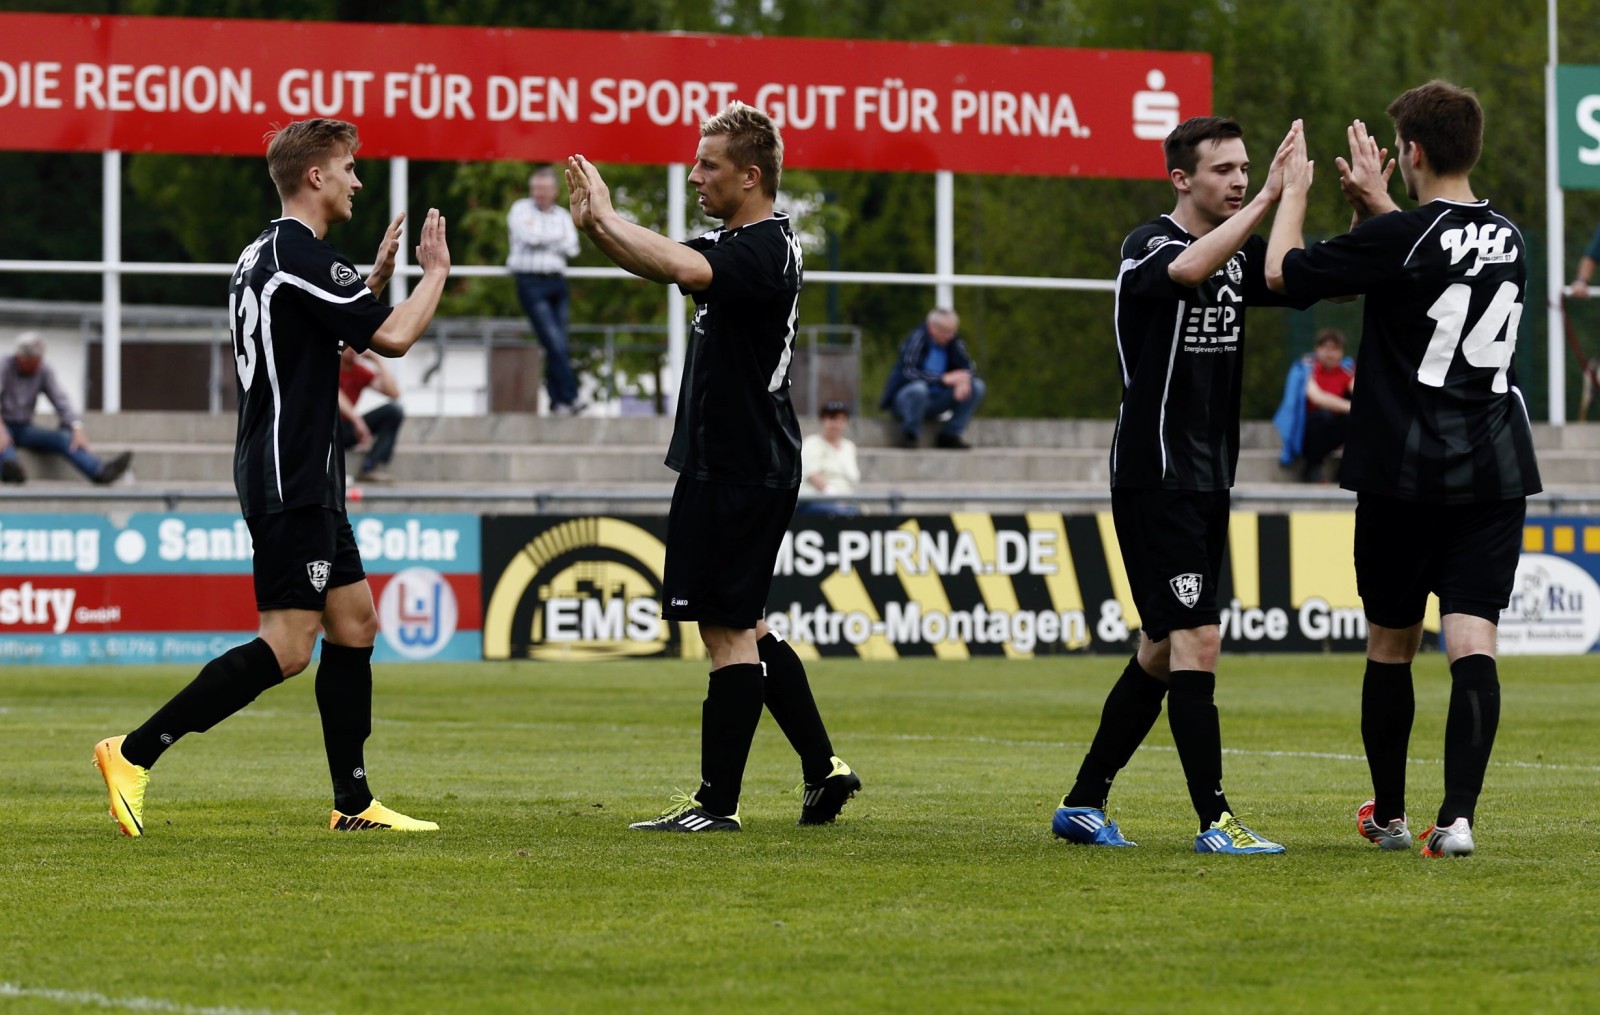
662 731
1319 755
152 1004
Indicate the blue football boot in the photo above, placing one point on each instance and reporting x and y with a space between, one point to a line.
1229 835
1087 826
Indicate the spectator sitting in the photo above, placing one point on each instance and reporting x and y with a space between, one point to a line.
932 376
23 377
1315 415
828 471
376 432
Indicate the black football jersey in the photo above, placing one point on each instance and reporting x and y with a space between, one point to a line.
1436 415
1180 352
735 422
293 302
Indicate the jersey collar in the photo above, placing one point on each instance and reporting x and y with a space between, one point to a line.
291 218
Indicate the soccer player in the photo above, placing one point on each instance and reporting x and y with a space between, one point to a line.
292 301
1440 450
736 449
1182 289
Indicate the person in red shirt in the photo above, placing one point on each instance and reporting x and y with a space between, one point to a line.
1328 389
376 431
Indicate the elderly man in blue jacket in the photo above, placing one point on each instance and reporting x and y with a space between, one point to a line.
934 375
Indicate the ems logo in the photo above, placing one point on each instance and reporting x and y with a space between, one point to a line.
1235 270
318 571
1187 588
343 274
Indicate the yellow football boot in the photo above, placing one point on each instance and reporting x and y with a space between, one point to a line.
378 816
125 781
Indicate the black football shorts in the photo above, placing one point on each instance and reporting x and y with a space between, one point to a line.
1173 544
300 554
722 544
1466 554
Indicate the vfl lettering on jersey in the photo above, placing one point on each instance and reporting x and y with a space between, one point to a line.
1186 587
318 571
343 274
1488 241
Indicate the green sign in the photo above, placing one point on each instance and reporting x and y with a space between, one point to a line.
1578 126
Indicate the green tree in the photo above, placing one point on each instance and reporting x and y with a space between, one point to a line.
1045 353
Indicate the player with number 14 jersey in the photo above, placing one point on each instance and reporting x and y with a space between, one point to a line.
1437 416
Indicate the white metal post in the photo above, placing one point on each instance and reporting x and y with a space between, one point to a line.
944 235
111 281
677 327
1555 240
399 182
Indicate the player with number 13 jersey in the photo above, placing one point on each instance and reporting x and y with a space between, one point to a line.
293 299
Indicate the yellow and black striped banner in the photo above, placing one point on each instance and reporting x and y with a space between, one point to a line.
942 586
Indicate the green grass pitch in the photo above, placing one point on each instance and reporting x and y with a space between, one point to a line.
940 888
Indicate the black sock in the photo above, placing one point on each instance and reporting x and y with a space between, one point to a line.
1388 706
344 699
1130 711
788 698
1197 733
728 721
222 687
1469 731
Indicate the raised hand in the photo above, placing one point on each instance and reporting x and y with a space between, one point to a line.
1297 169
1273 189
388 249
1364 179
433 249
588 194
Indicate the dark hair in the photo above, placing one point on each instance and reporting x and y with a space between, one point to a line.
1446 121
1327 335
1181 145
833 409
303 144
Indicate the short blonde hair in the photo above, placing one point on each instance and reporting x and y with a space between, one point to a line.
753 140
305 143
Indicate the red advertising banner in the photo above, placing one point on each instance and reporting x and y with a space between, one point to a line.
182 85
77 604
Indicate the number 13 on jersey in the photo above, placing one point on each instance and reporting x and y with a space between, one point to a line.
244 315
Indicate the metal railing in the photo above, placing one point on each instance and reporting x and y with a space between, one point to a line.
625 361
541 500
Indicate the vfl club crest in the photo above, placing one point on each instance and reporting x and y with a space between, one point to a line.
318 571
343 274
1187 588
1235 270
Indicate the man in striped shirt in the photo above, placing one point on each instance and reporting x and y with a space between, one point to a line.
543 238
